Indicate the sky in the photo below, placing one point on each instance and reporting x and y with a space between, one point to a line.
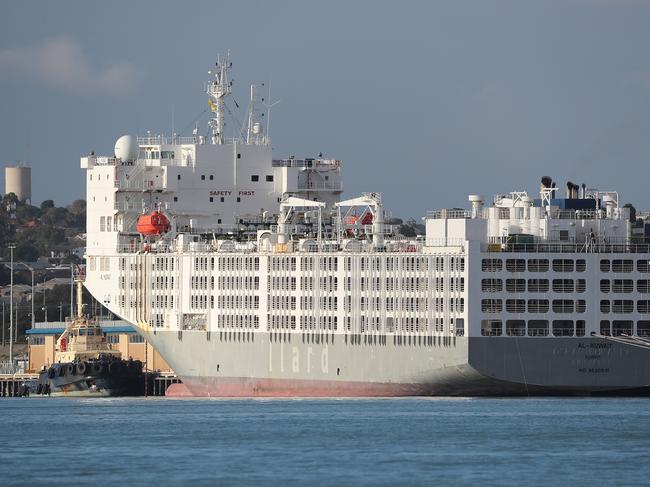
425 102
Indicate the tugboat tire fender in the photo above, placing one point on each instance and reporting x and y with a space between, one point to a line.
81 368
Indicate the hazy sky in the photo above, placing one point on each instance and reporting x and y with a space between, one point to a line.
425 102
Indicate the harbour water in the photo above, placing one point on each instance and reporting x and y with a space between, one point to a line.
431 441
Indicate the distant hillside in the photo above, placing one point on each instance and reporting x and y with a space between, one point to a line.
45 231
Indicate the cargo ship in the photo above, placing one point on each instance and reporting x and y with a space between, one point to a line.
253 277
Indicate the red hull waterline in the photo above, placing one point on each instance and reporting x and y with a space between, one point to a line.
246 387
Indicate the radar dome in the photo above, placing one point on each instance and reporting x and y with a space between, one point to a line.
126 148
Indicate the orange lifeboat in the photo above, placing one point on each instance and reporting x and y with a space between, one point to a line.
155 223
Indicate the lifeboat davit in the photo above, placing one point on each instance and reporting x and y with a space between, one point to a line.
155 223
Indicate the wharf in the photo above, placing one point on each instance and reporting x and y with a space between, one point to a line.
162 381
11 385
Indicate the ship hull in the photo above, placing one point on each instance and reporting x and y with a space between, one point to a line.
296 365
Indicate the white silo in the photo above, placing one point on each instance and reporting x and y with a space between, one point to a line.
18 180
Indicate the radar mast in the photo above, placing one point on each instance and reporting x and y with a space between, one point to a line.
217 89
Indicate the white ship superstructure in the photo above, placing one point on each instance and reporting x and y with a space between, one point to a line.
261 281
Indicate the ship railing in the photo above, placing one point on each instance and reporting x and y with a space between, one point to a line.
448 214
445 242
179 139
319 186
557 247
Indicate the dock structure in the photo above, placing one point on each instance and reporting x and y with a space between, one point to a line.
162 382
12 385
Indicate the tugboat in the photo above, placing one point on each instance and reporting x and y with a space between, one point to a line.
86 366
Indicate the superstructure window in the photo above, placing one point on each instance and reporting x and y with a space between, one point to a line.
604 286
563 328
643 286
581 285
537 285
538 306
643 306
516 305
491 327
563 265
537 328
604 265
621 327
516 285
538 265
491 305
178 176
255 178
269 178
516 328
202 177
491 285
643 328
604 306
605 328
581 306
515 265
580 328
622 265
563 306
622 306
491 265
622 285
563 285
643 265
581 265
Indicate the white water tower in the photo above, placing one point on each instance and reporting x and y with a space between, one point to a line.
18 180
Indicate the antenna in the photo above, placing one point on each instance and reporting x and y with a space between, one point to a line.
268 107
217 90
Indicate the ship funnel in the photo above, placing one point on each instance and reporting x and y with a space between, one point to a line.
477 204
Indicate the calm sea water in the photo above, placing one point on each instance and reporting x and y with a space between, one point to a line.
158 441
